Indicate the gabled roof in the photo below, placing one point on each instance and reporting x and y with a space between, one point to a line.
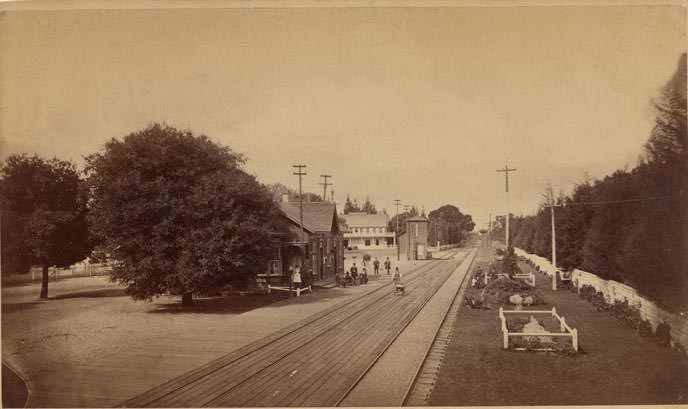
318 217
417 219
362 219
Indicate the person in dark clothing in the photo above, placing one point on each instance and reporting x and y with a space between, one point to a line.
376 266
388 265
354 273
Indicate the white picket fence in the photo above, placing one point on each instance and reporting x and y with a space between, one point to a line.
616 291
529 278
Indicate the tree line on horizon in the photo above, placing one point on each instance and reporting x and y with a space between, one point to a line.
630 226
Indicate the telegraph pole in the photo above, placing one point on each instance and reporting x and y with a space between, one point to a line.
397 202
551 204
300 172
489 231
324 184
506 171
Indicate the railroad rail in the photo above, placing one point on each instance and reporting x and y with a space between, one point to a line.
315 362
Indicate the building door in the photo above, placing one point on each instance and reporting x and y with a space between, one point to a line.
322 261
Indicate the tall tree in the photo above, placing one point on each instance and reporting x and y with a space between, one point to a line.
178 214
668 142
349 206
449 225
43 214
368 206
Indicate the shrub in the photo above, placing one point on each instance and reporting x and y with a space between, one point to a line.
645 329
628 315
366 257
498 291
663 334
587 292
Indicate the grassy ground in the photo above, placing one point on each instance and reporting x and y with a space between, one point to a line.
615 366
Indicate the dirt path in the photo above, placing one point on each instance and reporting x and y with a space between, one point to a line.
90 345
14 392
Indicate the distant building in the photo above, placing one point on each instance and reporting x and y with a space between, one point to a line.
414 241
323 246
367 231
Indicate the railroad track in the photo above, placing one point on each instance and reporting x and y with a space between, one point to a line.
315 362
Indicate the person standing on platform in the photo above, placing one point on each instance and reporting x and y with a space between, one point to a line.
354 273
296 277
388 265
376 266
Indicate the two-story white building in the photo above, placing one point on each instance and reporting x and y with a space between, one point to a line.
367 231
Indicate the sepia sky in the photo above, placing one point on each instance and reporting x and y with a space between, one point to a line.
419 104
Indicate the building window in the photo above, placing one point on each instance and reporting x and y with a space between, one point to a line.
377 242
367 242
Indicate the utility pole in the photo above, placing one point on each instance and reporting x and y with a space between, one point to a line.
506 171
489 231
332 195
300 172
324 184
397 202
551 204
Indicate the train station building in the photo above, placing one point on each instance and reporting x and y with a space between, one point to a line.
414 241
367 231
322 249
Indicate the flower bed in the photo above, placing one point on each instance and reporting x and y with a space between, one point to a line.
551 334
500 291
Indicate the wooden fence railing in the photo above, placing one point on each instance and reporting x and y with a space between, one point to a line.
566 330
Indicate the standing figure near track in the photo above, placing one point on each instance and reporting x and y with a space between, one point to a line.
376 266
399 287
388 265
354 273
296 277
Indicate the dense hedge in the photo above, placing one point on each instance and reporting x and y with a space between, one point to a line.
630 226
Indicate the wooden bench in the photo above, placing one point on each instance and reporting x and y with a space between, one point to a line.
296 290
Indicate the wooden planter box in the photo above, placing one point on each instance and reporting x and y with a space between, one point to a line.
529 278
566 330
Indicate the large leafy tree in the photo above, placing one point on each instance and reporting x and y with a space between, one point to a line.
449 225
392 223
43 215
178 214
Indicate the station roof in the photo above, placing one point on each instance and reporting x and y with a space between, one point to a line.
417 219
318 217
363 219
